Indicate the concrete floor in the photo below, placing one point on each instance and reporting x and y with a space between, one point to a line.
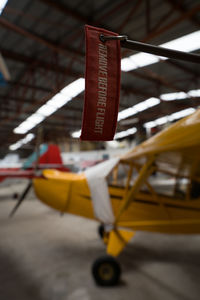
47 257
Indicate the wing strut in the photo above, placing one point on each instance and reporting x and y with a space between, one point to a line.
145 171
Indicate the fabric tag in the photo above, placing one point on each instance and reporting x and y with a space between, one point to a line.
102 86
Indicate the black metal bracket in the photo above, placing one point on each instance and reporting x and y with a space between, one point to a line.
105 38
156 50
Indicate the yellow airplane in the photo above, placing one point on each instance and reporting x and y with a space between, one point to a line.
129 193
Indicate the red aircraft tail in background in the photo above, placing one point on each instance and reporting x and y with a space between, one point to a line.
50 158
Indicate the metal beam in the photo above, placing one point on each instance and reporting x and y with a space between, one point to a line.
51 45
182 67
63 8
127 89
184 16
183 10
131 12
30 86
38 63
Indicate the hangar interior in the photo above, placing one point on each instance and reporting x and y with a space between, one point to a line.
42 70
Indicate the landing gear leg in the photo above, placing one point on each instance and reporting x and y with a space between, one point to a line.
101 231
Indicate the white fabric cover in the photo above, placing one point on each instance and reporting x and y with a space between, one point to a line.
96 178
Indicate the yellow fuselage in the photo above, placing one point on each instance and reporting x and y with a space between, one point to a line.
69 193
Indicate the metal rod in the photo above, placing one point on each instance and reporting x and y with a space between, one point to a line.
105 38
160 51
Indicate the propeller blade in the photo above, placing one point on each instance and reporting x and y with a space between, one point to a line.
22 197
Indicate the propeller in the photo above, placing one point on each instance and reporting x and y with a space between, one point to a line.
21 198
30 184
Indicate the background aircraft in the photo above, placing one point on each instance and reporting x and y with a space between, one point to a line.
48 157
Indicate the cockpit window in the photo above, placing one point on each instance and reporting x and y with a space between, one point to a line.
167 185
158 183
119 175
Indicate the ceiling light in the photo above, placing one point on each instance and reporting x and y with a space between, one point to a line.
126 113
150 124
30 122
29 137
24 127
35 118
194 93
19 130
162 120
52 105
138 108
174 96
141 106
175 116
181 114
180 95
46 110
138 61
15 146
59 100
76 134
146 104
74 88
125 133
152 101
113 144
186 43
129 121
2 5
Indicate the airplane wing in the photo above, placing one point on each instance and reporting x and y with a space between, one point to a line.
181 137
15 173
50 158
175 148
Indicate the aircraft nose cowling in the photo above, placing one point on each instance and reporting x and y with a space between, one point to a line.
52 192
57 188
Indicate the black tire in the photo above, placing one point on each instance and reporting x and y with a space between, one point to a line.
101 230
106 271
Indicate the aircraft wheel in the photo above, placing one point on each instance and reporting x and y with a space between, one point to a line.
101 231
106 271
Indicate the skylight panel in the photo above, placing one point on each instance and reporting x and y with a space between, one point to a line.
125 133
175 116
2 5
29 137
76 134
75 88
46 110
